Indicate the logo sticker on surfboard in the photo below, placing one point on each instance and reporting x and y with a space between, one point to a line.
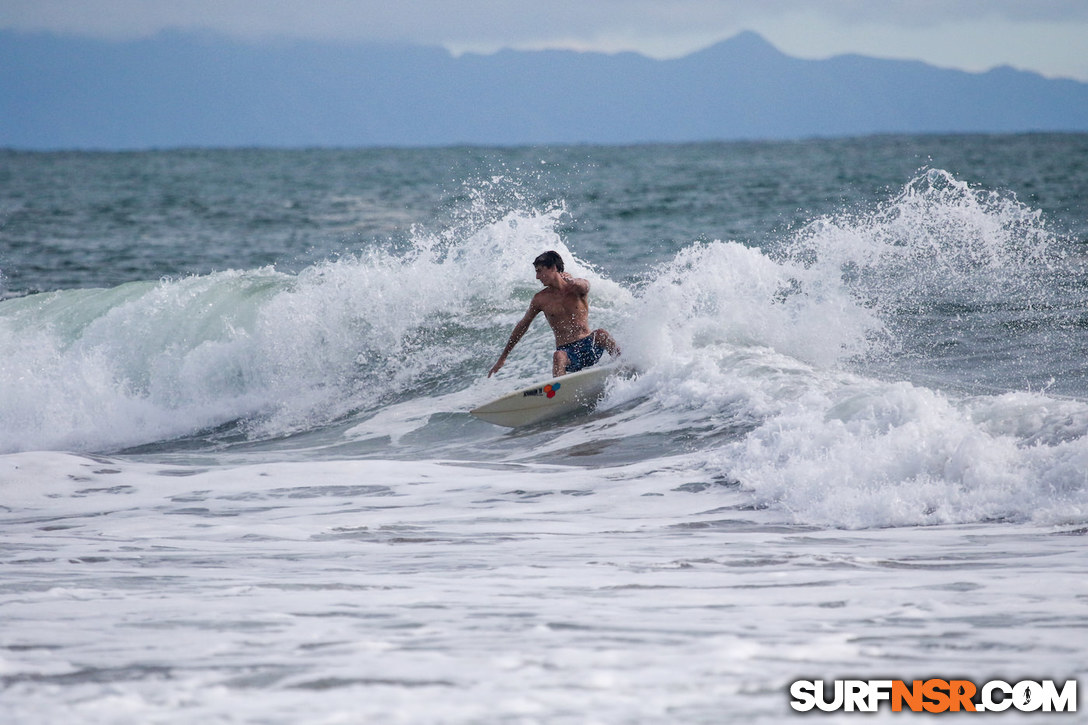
548 390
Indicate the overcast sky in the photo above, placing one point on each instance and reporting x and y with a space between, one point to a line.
1048 36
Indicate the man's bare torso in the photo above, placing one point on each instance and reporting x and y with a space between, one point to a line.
567 310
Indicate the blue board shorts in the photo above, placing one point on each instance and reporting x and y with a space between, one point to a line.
582 353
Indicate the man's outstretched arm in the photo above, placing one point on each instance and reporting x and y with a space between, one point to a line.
519 330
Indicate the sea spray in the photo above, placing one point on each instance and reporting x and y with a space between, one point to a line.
956 273
770 368
937 234
727 293
839 447
265 352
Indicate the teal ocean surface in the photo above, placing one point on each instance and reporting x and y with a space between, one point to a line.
239 481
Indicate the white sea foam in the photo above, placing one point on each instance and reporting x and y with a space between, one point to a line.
415 591
103 369
752 361
775 496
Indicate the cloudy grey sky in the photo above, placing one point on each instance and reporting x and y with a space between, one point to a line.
1047 36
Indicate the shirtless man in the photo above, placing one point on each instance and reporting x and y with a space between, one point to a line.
565 304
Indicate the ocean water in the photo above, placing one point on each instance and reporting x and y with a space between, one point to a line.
239 482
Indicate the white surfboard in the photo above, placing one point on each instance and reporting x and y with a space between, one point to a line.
549 399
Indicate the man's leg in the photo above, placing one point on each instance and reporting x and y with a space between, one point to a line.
559 363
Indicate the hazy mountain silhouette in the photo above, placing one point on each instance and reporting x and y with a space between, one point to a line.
203 90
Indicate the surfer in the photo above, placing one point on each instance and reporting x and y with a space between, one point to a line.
565 304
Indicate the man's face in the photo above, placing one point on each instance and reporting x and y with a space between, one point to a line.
547 275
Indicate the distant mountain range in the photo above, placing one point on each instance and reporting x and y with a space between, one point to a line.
201 90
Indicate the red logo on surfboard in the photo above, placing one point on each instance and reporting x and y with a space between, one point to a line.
549 390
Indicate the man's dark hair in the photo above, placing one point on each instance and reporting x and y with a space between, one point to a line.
549 259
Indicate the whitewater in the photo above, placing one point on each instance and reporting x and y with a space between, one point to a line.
239 481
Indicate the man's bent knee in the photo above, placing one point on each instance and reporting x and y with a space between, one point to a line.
602 338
